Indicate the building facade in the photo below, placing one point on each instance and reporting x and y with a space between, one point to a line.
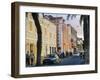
58 21
72 35
30 36
66 38
48 36
66 34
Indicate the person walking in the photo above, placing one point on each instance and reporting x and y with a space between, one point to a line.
27 58
31 58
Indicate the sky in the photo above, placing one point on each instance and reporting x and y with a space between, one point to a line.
75 22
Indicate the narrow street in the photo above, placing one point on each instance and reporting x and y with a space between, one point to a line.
72 60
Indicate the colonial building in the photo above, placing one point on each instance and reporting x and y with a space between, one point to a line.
66 34
48 36
30 36
69 38
58 21
72 35
66 38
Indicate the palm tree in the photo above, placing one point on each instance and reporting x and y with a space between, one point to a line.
86 30
39 41
71 16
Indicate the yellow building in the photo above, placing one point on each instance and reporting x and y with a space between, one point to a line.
30 35
48 36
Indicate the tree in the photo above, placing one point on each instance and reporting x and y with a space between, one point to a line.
86 29
39 40
71 16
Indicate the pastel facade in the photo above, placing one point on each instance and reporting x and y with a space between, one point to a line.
48 36
30 35
72 35
66 34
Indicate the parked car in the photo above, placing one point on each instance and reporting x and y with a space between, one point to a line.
76 54
51 59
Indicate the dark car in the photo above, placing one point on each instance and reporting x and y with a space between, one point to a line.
51 59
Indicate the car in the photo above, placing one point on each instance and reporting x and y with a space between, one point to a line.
76 54
51 59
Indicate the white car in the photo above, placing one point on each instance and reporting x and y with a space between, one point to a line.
76 54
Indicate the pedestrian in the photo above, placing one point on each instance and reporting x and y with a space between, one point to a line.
31 58
62 55
59 53
27 58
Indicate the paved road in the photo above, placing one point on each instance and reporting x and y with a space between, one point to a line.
73 60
